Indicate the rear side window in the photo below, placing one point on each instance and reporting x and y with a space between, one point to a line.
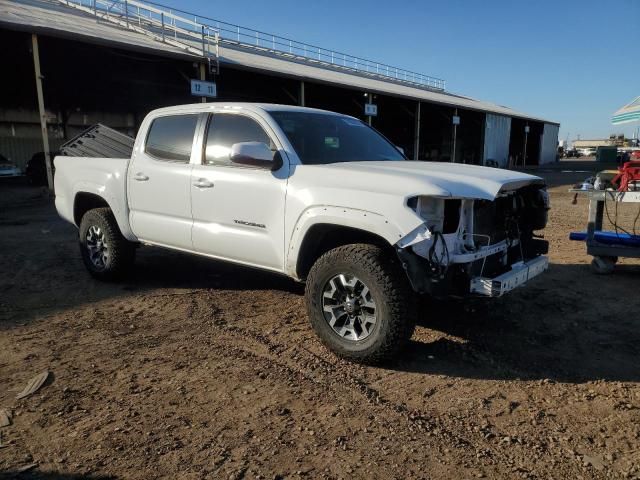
225 130
171 138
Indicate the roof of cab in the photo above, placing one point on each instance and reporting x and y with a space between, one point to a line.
215 106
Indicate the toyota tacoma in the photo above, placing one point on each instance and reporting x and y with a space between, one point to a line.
318 196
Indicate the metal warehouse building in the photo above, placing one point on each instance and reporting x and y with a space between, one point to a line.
112 61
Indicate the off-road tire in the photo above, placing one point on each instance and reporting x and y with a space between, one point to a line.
121 251
395 301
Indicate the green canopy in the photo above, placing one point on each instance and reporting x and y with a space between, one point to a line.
628 113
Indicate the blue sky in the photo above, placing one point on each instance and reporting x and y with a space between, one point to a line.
575 62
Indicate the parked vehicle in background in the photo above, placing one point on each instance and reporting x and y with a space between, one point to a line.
319 197
572 153
588 152
8 169
37 170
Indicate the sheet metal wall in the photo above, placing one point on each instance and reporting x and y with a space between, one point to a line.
549 144
497 133
20 150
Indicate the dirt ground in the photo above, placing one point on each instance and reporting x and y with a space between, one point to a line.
195 369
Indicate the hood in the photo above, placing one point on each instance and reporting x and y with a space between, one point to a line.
411 178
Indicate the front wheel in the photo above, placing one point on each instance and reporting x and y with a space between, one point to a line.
360 304
105 252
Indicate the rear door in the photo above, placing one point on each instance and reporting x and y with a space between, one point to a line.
159 181
238 211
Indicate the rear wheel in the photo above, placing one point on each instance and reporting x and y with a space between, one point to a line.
360 304
105 252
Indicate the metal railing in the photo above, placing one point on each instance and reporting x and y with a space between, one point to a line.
164 26
198 34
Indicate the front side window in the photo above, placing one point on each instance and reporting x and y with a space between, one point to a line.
171 138
225 130
321 138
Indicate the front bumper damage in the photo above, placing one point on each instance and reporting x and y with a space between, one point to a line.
472 254
459 279
520 274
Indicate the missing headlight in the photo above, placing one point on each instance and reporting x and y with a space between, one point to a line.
439 215
451 216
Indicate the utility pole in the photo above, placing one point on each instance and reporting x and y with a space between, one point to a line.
41 110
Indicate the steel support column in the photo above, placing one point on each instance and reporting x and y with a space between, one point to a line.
526 138
203 77
43 114
416 143
301 98
455 135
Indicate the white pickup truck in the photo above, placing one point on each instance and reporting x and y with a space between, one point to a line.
317 196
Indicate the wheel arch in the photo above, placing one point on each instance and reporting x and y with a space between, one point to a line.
85 201
322 237
86 198
350 226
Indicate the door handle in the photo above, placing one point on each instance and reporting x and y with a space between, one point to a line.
141 177
203 183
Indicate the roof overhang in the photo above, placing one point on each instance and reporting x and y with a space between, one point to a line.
53 19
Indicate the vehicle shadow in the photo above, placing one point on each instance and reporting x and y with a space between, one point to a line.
569 325
41 271
162 268
31 297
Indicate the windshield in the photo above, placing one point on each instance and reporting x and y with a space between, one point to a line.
320 138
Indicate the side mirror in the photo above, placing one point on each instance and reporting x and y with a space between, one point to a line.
400 149
255 154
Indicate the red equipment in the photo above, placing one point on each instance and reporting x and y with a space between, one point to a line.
627 174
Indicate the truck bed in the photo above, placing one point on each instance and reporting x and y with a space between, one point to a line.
99 141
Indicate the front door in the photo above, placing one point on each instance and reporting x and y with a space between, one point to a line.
238 211
159 182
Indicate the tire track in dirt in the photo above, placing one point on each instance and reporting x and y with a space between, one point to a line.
335 375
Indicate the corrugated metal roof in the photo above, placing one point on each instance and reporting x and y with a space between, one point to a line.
52 18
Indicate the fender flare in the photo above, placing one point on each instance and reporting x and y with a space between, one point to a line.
120 212
340 216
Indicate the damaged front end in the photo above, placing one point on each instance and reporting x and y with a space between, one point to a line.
476 246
